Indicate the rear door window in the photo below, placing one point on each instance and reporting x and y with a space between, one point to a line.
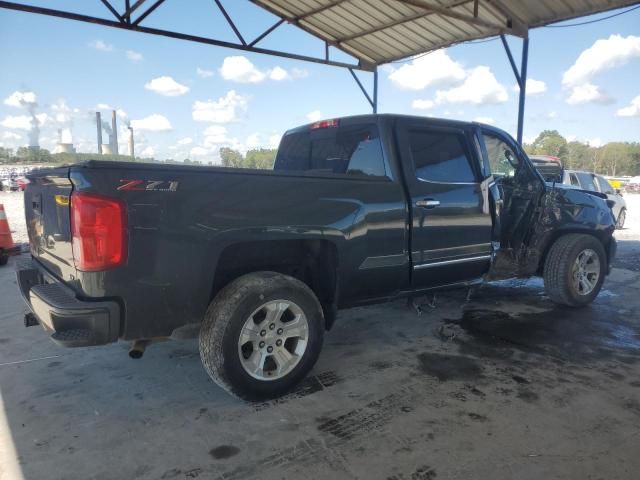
441 156
574 179
350 150
587 181
605 186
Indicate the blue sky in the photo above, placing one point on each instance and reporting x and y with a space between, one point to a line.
188 100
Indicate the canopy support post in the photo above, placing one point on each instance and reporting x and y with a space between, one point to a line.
375 91
521 79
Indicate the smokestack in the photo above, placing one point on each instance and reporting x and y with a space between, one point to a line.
114 135
99 125
131 152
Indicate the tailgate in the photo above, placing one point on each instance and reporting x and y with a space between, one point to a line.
46 206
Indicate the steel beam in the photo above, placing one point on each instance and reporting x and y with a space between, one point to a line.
230 22
523 87
375 90
267 32
511 61
131 9
448 12
395 23
364 91
112 10
148 12
181 36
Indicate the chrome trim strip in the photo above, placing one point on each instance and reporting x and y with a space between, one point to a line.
451 262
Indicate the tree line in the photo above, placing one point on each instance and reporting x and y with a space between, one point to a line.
613 158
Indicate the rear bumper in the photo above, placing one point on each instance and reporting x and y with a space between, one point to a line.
70 321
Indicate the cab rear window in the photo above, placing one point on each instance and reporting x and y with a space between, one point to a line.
349 150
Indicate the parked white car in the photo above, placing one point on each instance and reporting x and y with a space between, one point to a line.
552 171
597 183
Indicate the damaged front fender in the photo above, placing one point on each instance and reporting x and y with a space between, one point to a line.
560 211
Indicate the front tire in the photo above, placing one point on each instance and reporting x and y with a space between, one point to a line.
261 335
574 270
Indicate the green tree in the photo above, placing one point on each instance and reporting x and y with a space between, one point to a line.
231 157
261 158
579 156
550 142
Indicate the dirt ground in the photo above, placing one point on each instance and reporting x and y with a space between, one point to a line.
502 385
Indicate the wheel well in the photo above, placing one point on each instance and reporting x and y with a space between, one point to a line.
314 262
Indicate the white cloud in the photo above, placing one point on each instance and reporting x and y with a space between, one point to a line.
224 110
201 151
216 135
102 46
203 73
604 54
274 140
314 116
595 142
20 99
185 141
436 69
587 93
259 140
632 110
148 152
253 140
240 69
134 56
152 123
487 120
479 88
23 122
551 115
11 136
278 74
166 86
534 87
422 104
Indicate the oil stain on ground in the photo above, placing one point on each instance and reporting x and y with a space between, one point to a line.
571 334
224 451
449 367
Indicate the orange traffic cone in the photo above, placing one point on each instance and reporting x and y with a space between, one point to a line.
6 240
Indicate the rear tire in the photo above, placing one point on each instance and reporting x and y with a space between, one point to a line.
236 334
574 270
622 216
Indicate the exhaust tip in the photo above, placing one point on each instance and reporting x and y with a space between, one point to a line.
137 349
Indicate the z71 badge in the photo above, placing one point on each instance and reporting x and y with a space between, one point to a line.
148 185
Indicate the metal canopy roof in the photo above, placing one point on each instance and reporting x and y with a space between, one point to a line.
380 31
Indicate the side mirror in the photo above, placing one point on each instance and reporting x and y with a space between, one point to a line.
618 191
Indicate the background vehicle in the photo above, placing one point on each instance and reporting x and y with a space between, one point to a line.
356 211
597 183
550 167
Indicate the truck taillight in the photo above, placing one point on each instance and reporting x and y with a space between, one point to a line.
99 231
325 124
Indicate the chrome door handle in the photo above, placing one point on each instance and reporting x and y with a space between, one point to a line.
428 203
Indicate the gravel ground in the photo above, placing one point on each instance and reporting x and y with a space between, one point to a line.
14 207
